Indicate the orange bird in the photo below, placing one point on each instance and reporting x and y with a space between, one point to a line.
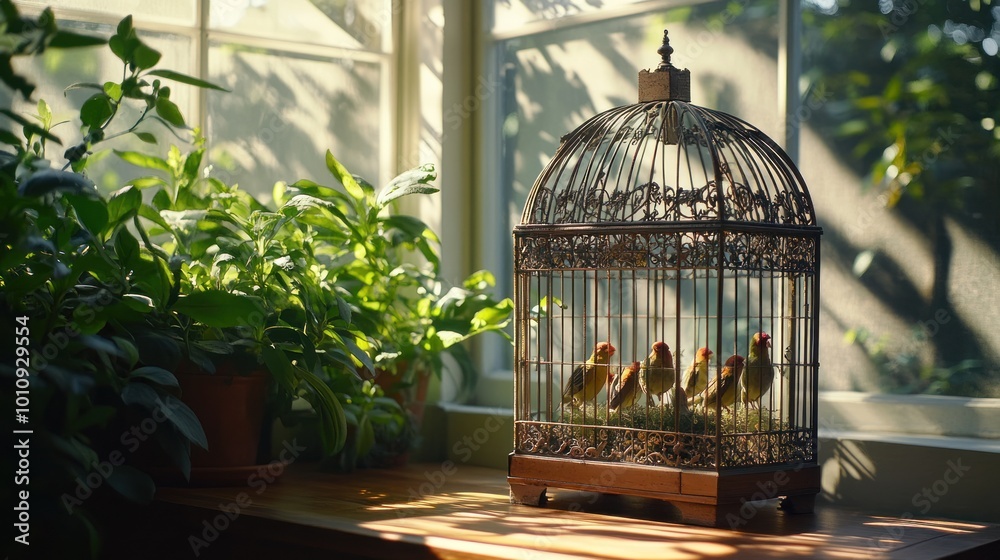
696 378
657 371
759 372
625 388
589 378
728 383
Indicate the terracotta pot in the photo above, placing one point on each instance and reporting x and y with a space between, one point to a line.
231 410
412 398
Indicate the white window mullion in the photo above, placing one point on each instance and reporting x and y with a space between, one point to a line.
789 72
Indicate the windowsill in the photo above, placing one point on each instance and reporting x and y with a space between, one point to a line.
878 452
444 510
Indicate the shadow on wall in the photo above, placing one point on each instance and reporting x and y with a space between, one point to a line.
909 481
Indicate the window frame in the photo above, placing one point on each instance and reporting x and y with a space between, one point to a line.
201 35
842 413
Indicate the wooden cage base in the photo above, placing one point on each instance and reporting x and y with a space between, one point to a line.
705 498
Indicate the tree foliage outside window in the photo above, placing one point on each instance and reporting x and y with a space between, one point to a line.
913 104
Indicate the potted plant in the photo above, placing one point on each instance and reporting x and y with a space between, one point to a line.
412 317
83 301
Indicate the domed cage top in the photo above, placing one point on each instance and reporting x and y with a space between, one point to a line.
668 161
666 311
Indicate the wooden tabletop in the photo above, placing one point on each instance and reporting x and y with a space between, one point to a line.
457 511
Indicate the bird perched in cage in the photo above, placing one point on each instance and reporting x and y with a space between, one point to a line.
625 388
759 373
696 377
728 384
656 373
589 378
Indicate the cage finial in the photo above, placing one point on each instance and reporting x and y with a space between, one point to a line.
666 82
665 51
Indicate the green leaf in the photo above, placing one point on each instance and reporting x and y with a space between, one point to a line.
117 46
8 137
184 419
132 483
127 248
169 112
142 394
279 365
85 85
214 346
93 212
344 176
30 126
185 79
157 375
298 339
127 348
358 353
138 302
493 317
449 338
330 409
146 137
144 160
366 435
125 27
145 56
97 110
113 90
414 181
146 182
217 308
69 40
124 204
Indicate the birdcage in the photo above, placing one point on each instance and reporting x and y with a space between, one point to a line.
666 274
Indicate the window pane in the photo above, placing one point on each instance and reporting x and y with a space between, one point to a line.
57 69
902 154
354 24
179 12
285 111
511 14
554 81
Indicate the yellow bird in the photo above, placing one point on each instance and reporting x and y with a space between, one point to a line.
696 377
728 384
589 378
657 371
759 373
625 388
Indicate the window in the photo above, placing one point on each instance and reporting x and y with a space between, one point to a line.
305 76
892 124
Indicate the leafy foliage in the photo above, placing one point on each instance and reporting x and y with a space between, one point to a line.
90 299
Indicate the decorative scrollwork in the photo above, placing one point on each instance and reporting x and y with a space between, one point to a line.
616 444
663 448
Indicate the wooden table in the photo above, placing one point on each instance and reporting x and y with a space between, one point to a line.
458 511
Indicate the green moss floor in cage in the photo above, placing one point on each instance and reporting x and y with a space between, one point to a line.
665 418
